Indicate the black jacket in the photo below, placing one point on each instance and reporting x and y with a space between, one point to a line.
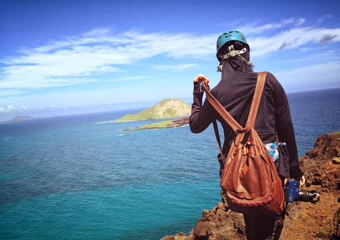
235 92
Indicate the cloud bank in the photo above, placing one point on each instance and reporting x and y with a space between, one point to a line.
79 59
86 58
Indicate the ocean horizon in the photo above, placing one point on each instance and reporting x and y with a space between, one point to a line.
68 177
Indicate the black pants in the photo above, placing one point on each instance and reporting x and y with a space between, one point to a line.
259 227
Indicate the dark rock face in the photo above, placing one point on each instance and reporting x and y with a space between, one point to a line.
304 220
321 164
326 147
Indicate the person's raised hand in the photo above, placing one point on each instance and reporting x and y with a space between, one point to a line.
201 78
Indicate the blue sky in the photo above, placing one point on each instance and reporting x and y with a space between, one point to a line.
71 56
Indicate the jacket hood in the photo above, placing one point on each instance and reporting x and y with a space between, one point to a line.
236 65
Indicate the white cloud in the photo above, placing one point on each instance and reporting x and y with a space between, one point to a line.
130 78
286 34
6 93
69 99
320 20
82 59
257 28
294 21
75 60
97 32
293 38
311 77
12 108
176 67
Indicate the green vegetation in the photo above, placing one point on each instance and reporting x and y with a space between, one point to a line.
163 124
170 111
157 125
168 108
134 117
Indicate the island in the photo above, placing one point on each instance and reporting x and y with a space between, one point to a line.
20 119
172 109
168 108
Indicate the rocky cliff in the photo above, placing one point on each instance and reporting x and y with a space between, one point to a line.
304 220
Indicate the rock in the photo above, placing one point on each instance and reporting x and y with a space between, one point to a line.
201 228
220 206
326 147
336 160
178 236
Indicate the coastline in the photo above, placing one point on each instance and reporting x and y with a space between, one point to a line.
161 125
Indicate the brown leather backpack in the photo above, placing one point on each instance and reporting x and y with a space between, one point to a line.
250 179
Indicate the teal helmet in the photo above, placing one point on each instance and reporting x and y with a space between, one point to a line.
228 36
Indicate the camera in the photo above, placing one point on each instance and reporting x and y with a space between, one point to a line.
292 193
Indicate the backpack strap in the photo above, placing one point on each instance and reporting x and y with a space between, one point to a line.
220 109
261 78
217 135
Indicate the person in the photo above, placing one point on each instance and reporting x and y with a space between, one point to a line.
235 91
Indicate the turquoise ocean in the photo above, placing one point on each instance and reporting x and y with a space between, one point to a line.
73 177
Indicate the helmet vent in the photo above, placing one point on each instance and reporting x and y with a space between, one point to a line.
232 35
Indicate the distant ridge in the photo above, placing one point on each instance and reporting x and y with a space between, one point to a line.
20 119
168 108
